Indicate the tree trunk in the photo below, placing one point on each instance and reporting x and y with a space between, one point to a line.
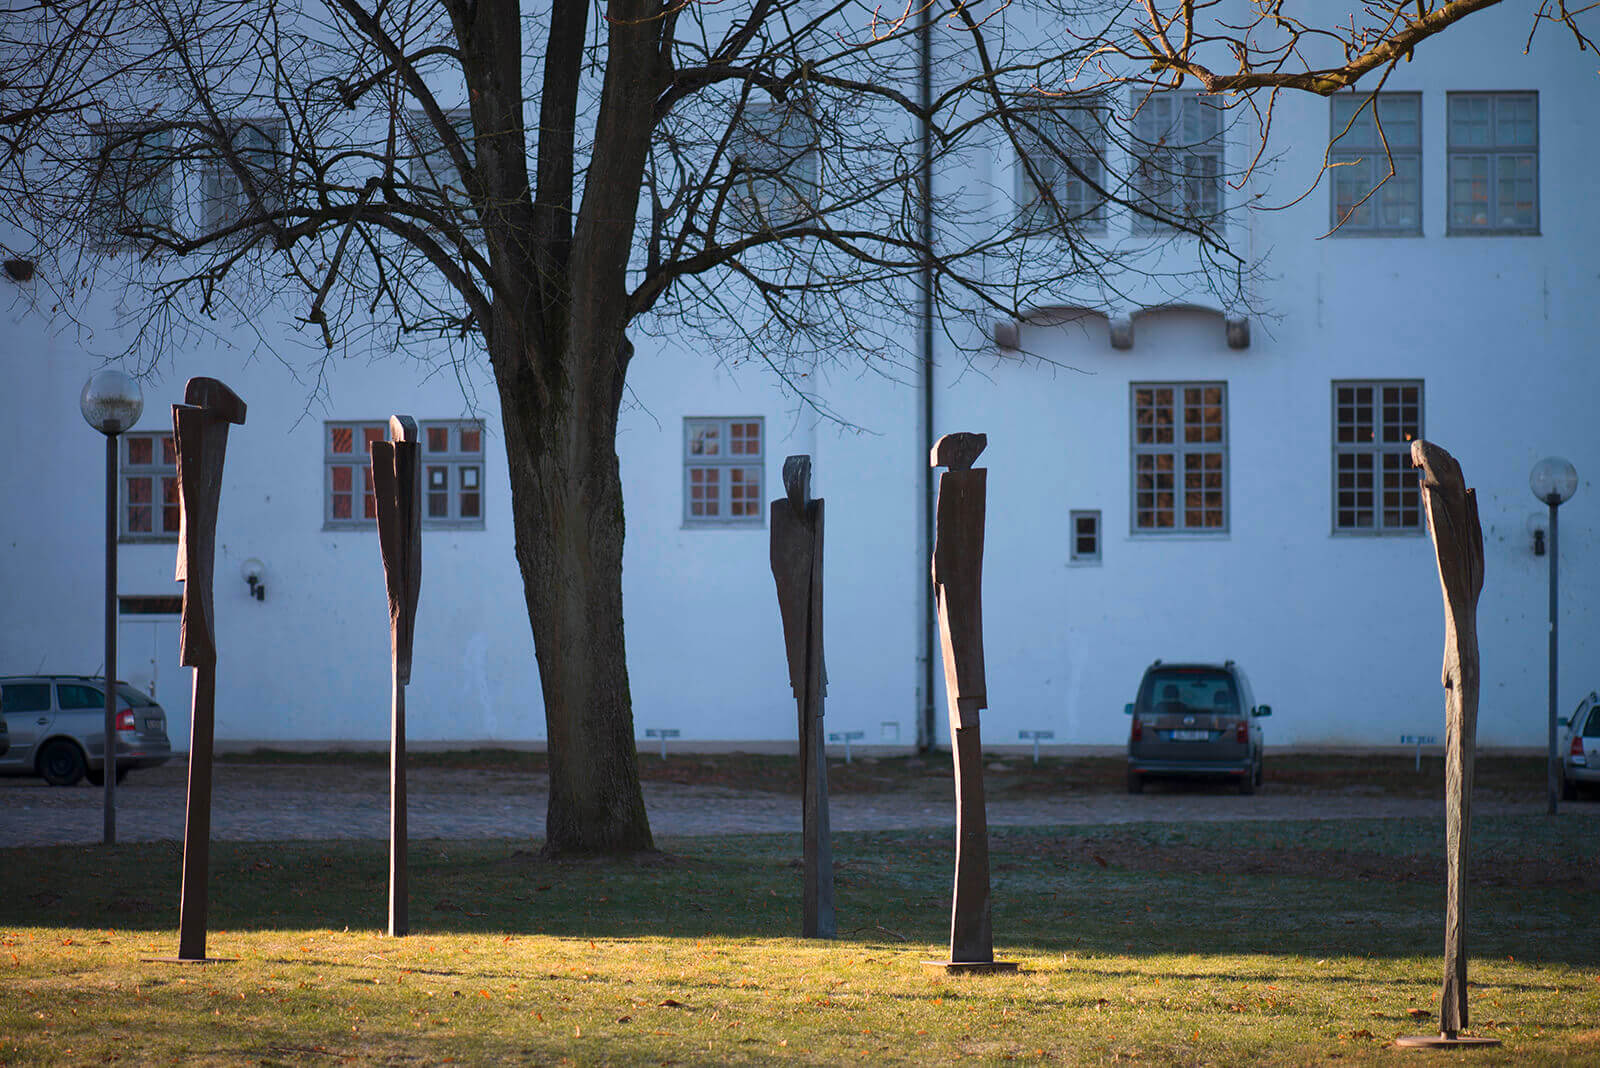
566 506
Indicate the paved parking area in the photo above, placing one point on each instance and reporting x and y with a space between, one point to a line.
268 803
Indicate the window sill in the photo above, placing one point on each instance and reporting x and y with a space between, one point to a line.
724 524
1407 532
371 526
1493 233
1085 563
1346 231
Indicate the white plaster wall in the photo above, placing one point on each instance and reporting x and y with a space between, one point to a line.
1340 634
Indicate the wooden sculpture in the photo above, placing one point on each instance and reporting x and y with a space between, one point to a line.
797 570
397 489
958 589
1452 511
200 426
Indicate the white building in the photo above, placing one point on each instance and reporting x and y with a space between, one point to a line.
1459 306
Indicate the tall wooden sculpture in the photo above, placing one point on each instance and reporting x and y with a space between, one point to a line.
1452 511
397 488
797 570
200 425
958 590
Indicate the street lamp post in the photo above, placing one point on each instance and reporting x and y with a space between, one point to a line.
1554 481
111 402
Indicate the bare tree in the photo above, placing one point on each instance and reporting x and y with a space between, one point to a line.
373 165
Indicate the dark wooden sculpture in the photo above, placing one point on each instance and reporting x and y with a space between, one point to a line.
200 426
397 489
1452 511
958 589
797 570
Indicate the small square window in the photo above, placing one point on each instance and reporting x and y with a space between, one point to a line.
1085 535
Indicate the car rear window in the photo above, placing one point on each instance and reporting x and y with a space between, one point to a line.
25 697
1185 691
134 698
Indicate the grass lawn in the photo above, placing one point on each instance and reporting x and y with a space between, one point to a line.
1277 943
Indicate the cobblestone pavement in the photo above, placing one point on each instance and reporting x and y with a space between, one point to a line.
267 803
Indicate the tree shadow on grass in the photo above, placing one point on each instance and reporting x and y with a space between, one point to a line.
1124 892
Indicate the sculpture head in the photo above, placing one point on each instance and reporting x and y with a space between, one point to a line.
797 481
217 399
958 451
403 428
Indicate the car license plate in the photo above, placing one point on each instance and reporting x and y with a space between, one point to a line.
1191 736
151 723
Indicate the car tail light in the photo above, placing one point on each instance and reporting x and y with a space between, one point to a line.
1138 731
1241 732
125 720
1577 746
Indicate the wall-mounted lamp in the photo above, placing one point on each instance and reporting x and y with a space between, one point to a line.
1538 530
255 574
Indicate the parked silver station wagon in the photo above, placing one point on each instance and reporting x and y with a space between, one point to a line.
57 728
1195 720
1580 752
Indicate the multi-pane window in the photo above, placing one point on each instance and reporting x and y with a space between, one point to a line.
776 163
452 474
132 184
1374 485
722 471
1178 157
1061 169
1085 537
1494 163
257 144
149 486
1359 157
1180 457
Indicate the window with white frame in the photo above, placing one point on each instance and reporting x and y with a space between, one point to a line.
1494 163
1085 537
1374 485
722 471
257 147
1177 159
1180 457
1367 200
131 185
777 166
1062 169
149 487
452 474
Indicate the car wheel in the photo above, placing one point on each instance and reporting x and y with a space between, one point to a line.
1247 784
1260 770
61 763
1135 783
1569 789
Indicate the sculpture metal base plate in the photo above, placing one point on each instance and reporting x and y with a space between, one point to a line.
188 960
1443 1041
965 967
